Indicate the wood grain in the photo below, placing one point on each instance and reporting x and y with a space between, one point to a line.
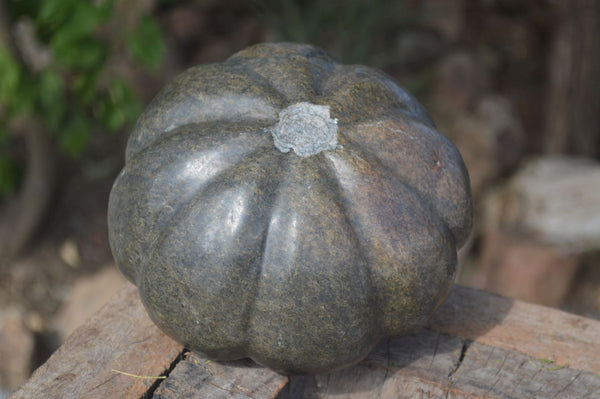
119 337
476 345
536 331
198 377
430 364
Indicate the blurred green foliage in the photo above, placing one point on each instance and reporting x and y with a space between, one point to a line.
144 43
75 92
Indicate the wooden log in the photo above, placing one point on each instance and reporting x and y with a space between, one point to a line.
119 339
431 364
119 353
198 377
476 345
534 330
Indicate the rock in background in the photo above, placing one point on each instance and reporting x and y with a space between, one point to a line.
538 227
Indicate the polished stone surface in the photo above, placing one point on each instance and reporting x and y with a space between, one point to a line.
302 263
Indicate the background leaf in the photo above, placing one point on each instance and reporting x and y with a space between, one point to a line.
51 98
145 43
118 107
11 74
74 137
9 175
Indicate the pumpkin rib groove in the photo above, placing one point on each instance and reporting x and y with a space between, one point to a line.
338 192
191 201
238 101
172 108
318 62
251 309
264 220
267 83
359 198
357 229
373 158
138 166
312 70
355 83
200 130
250 276
252 337
367 279
284 207
293 277
449 206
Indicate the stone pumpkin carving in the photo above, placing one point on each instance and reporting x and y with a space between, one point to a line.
284 207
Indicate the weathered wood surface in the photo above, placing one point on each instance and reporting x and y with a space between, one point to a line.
121 339
431 364
537 331
476 345
197 377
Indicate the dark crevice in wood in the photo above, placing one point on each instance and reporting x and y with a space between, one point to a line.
503 362
150 392
463 352
571 381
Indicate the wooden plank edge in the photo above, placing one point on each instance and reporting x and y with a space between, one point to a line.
537 331
197 376
118 352
433 364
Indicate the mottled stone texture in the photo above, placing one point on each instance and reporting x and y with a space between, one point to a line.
300 263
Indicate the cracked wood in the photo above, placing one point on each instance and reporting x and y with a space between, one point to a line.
477 345
197 377
534 330
411 366
119 337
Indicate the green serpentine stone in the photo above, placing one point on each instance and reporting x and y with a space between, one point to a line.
301 255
